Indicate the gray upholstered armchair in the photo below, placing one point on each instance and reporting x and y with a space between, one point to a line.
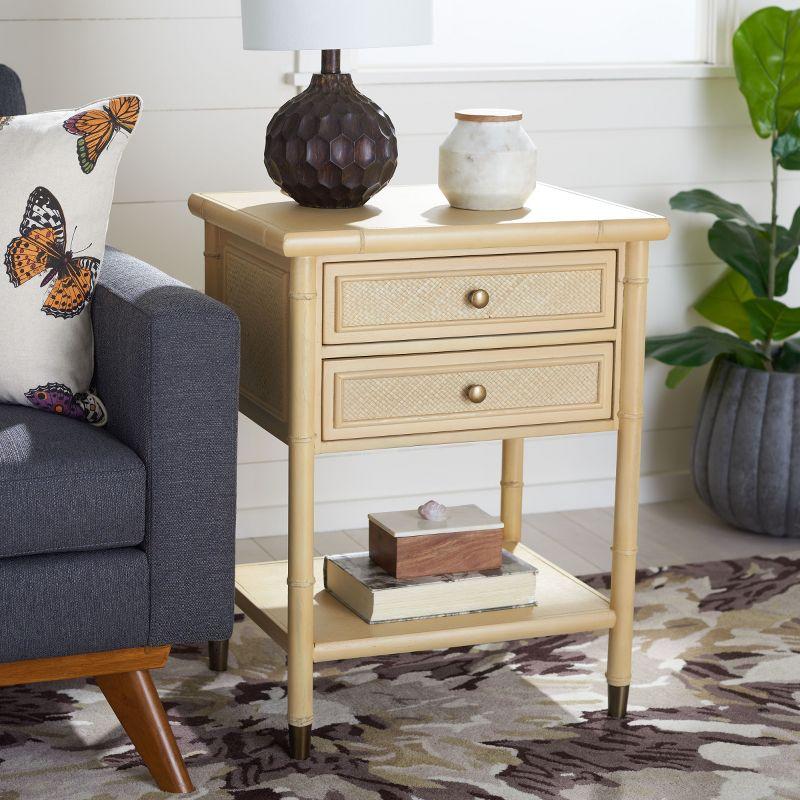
118 542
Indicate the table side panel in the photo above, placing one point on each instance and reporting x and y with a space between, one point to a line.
255 284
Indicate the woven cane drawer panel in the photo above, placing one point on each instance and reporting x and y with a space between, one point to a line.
258 292
397 395
430 298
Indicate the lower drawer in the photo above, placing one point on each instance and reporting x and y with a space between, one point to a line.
397 395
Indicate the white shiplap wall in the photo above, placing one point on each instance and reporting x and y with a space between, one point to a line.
206 106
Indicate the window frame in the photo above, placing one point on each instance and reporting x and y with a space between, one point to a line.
721 21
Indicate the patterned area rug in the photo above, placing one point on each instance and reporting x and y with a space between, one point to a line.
715 713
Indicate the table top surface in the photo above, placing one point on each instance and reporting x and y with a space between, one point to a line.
418 217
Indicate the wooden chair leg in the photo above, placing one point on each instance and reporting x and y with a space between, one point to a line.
135 701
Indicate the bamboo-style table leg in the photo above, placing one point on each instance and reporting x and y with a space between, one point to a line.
302 311
511 486
626 504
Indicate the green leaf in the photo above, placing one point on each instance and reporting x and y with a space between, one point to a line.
700 345
787 244
723 304
676 375
771 319
746 249
703 201
766 53
786 148
788 359
794 230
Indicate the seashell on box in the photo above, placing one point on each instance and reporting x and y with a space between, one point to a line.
433 511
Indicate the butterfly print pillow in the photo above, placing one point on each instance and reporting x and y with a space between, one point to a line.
59 169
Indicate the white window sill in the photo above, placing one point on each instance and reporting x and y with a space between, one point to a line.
502 74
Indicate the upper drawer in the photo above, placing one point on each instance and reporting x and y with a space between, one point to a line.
426 298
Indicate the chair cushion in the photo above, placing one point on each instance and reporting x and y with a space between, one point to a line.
63 604
66 486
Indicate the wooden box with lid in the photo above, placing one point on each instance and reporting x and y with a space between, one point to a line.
408 546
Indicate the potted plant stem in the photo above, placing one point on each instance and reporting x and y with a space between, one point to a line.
746 453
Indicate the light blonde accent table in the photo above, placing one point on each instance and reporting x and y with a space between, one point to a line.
407 322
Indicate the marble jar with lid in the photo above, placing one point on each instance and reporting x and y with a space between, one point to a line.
488 162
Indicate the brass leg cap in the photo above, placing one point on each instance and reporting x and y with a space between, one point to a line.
617 701
299 741
218 656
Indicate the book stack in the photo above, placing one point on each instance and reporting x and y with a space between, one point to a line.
418 568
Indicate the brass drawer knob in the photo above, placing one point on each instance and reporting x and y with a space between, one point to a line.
476 393
479 298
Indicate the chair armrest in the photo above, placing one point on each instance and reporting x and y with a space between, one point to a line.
167 370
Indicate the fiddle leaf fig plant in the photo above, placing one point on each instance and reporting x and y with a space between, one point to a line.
759 255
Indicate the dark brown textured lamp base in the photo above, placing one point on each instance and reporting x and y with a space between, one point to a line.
331 147
617 701
299 741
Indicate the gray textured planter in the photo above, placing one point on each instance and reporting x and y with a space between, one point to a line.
746 457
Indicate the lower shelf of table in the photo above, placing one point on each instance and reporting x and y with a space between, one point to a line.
565 605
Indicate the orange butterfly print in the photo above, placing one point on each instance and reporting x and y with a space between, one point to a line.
41 247
97 127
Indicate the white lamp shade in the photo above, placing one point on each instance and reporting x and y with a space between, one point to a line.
335 24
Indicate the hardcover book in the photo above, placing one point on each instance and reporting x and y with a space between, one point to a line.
368 590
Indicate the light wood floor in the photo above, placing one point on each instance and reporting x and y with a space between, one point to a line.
678 532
